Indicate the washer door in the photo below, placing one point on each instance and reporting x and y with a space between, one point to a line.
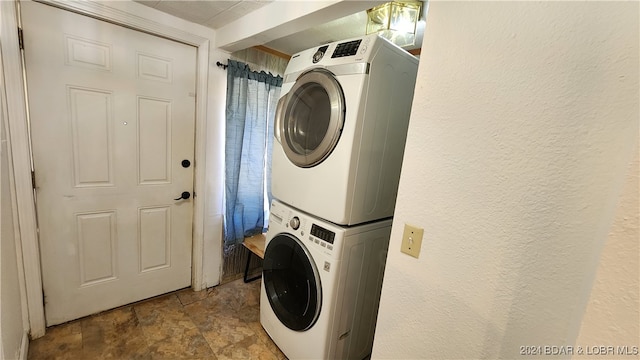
292 282
310 117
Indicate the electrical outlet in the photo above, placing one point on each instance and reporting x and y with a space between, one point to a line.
412 240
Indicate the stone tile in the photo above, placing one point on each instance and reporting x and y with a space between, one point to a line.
226 331
60 343
229 295
251 294
115 334
170 332
188 296
205 313
266 340
183 344
249 314
263 352
229 319
248 348
157 304
220 323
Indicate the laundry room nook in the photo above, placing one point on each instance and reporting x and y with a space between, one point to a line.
244 179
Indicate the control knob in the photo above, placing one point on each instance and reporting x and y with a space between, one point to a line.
318 56
295 223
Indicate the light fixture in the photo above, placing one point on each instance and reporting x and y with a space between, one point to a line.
396 21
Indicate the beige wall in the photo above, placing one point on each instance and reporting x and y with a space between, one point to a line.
12 328
612 316
524 121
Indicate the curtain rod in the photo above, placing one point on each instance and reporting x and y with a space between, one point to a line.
223 66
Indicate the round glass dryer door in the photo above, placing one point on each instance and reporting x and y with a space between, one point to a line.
310 117
292 282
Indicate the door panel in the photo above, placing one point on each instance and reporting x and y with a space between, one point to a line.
154 141
154 229
91 136
112 116
96 246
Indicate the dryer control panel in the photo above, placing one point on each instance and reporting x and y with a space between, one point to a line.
348 48
347 51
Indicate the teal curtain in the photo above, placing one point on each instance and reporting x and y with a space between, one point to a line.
251 103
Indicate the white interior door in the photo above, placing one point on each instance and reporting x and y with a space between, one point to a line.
112 119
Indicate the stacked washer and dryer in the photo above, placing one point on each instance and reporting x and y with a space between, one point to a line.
340 130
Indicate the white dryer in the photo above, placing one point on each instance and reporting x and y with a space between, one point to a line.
321 284
341 126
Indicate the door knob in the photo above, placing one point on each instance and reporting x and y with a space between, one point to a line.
185 163
184 196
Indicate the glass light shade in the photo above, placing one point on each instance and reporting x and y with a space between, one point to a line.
396 21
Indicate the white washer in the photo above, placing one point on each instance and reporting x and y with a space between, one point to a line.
341 126
321 284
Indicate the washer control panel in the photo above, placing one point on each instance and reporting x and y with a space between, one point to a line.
323 236
304 227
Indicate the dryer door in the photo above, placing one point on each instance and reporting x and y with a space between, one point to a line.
310 117
292 282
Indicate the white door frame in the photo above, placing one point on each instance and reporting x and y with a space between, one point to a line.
19 137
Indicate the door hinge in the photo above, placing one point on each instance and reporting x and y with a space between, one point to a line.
33 179
20 39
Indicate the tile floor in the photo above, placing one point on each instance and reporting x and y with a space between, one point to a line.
222 322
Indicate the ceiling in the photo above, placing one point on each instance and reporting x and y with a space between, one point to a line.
217 13
210 13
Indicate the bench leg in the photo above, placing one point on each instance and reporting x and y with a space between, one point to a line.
246 270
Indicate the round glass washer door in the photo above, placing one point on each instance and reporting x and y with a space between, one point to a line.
310 117
292 282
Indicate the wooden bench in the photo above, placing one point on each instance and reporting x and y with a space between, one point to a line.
255 245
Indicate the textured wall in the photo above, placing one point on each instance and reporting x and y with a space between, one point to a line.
612 316
523 124
12 328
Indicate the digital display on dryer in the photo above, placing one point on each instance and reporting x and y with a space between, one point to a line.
322 233
346 49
